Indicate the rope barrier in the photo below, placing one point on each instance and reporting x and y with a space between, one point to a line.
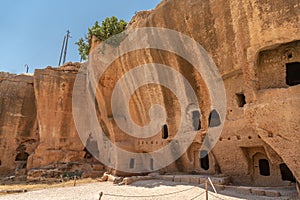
210 193
197 196
166 194
149 196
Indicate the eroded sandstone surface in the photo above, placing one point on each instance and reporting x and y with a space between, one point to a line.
19 130
252 43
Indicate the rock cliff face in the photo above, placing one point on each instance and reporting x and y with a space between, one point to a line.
38 136
18 126
255 45
58 136
60 148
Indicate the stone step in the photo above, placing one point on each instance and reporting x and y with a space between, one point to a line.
195 179
254 191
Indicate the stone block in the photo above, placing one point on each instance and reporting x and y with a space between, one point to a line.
195 180
185 179
244 190
168 178
258 192
177 178
272 193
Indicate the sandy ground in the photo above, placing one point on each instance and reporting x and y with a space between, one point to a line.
152 189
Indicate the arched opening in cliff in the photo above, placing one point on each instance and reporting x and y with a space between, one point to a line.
286 174
204 160
23 156
196 120
241 99
264 167
91 148
165 133
214 119
293 73
87 154
21 159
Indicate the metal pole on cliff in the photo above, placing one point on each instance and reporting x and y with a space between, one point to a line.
27 68
64 48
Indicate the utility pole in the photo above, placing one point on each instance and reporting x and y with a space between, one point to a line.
27 68
64 48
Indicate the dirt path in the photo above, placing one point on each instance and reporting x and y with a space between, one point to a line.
153 189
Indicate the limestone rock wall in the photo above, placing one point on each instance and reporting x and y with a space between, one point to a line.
234 33
59 141
145 97
18 126
277 122
38 138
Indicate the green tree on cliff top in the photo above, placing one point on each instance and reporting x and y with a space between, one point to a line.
109 27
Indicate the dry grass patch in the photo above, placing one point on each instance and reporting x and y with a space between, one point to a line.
37 186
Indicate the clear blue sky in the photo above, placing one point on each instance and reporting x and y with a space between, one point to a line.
32 31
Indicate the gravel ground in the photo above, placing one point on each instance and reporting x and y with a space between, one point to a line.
153 189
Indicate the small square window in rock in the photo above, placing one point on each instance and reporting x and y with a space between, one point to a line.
290 55
241 99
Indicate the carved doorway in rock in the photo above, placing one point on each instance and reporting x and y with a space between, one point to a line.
286 174
21 163
263 172
91 149
21 160
204 162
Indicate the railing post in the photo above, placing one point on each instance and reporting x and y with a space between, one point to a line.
206 189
